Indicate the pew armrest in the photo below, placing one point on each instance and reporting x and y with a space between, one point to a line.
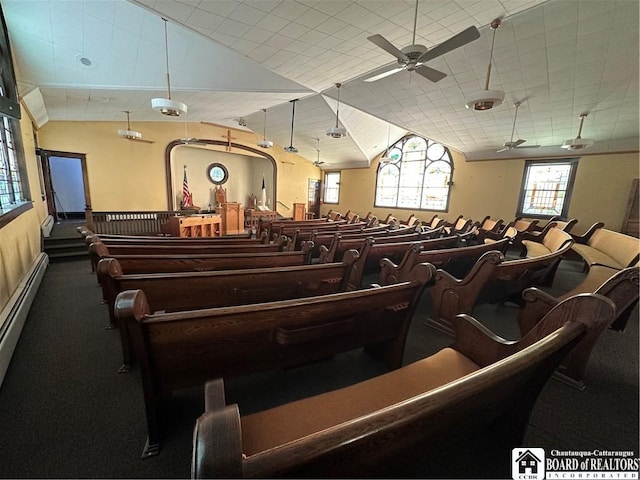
217 444
214 397
586 236
477 342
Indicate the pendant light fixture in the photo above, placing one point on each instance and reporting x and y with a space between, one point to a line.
264 143
487 99
167 106
291 148
337 131
129 134
578 143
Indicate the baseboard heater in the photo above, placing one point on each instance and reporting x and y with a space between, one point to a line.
14 314
47 226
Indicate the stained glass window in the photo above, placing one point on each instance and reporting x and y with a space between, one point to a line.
10 185
415 174
546 188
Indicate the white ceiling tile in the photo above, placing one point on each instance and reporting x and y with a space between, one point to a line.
204 19
223 8
247 14
272 23
543 54
233 28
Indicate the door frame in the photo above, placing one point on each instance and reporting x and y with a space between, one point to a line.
44 156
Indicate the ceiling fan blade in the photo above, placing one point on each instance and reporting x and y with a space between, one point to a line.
462 38
530 146
388 47
141 140
517 143
503 149
384 74
430 73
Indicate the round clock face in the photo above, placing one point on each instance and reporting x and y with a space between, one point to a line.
217 173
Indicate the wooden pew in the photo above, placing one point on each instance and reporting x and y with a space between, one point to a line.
165 250
170 292
622 287
397 244
202 263
460 225
327 238
132 240
184 349
600 246
481 384
299 235
490 280
455 261
372 254
549 241
488 226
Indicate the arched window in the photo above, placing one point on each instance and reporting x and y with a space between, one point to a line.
416 175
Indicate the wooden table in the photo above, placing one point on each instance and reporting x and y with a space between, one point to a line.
194 226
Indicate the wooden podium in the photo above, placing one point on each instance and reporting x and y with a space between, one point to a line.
232 214
194 226
299 210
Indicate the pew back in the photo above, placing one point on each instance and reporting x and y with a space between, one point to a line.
495 391
490 280
184 349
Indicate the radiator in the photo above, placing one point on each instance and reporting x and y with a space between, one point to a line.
14 314
46 226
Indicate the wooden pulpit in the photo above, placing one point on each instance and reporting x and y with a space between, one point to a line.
232 214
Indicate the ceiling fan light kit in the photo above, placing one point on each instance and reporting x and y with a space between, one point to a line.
579 143
487 99
337 131
167 106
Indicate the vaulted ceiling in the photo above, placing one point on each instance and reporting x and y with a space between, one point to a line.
229 60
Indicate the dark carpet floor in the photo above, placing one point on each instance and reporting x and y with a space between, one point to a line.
66 413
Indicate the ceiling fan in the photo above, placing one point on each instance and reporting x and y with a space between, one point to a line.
187 140
317 163
291 148
413 57
129 134
511 144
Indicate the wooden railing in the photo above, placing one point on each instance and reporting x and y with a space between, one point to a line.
128 223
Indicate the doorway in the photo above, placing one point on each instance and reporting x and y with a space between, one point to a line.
314 197
66 184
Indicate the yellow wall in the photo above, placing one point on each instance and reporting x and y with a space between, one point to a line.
125 175
481 188
20 238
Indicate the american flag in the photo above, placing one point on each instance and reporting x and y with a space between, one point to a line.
187 199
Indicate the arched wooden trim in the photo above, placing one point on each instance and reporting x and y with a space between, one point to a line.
178 143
